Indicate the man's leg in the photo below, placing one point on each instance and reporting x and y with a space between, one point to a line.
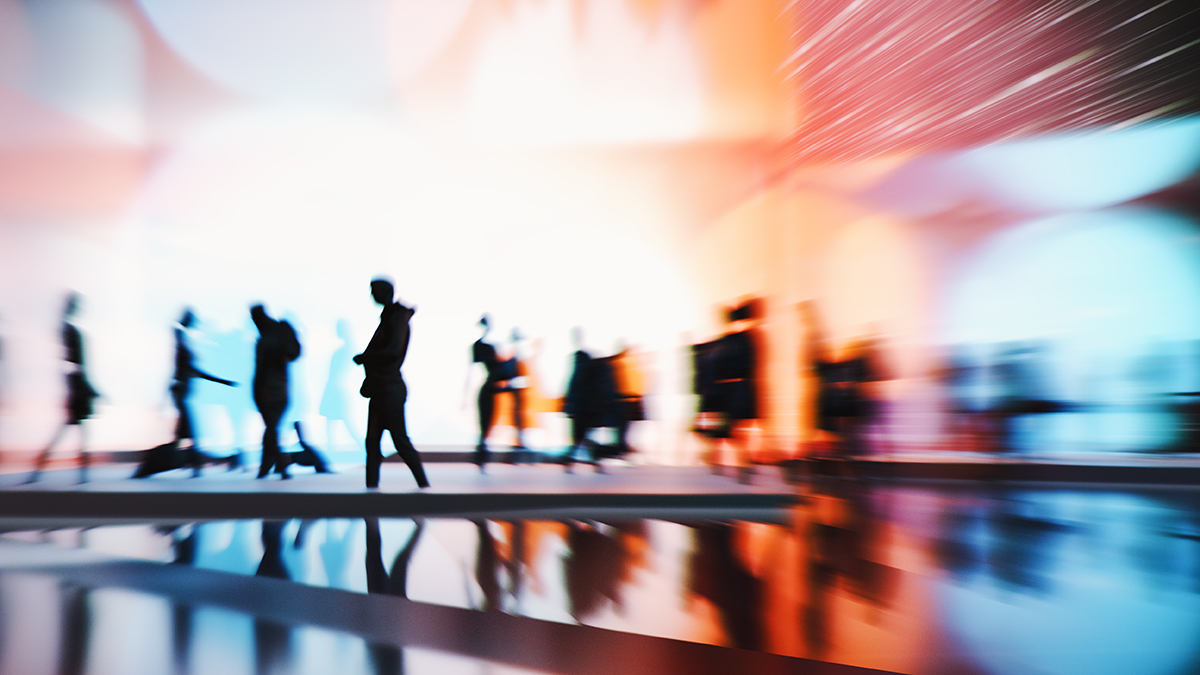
183 426
518 449
577 431
84 458
487 408
270 458
44 458
404 447
374 434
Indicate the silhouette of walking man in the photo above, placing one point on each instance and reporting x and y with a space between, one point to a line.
483 352
277 347
185 371
80 395
385 387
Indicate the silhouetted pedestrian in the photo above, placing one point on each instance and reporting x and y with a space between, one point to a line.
384 385
185 370
170 456
726 379
80 394
277 347
832 400
739 372
334 404
516 386
484 352
584 402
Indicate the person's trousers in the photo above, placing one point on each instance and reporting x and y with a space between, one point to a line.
270 452
386 411
487 409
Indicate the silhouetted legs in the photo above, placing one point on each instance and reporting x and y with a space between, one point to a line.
487 409
386 411
738 438
580 426
518 397
308 456
271 456
76 635
44 458
183 426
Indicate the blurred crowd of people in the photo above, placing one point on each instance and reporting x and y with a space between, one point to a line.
990 394
276 347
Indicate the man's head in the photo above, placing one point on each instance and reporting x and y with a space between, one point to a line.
382 290
187 319
258 314
72 304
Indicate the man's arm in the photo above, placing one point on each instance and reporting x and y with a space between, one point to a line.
212 378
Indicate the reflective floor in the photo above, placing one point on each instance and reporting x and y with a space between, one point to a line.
52 627
977 578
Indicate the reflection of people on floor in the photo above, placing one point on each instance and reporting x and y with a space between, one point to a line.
717 574
387 659
1022 545
308 455
517 539
487 569
334 404
272 641
1018 550
384 385
277 347
75 640
379 579
184 542
272 564
185 371
81 396
600 561
955 547
484 352
844 554
181 636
